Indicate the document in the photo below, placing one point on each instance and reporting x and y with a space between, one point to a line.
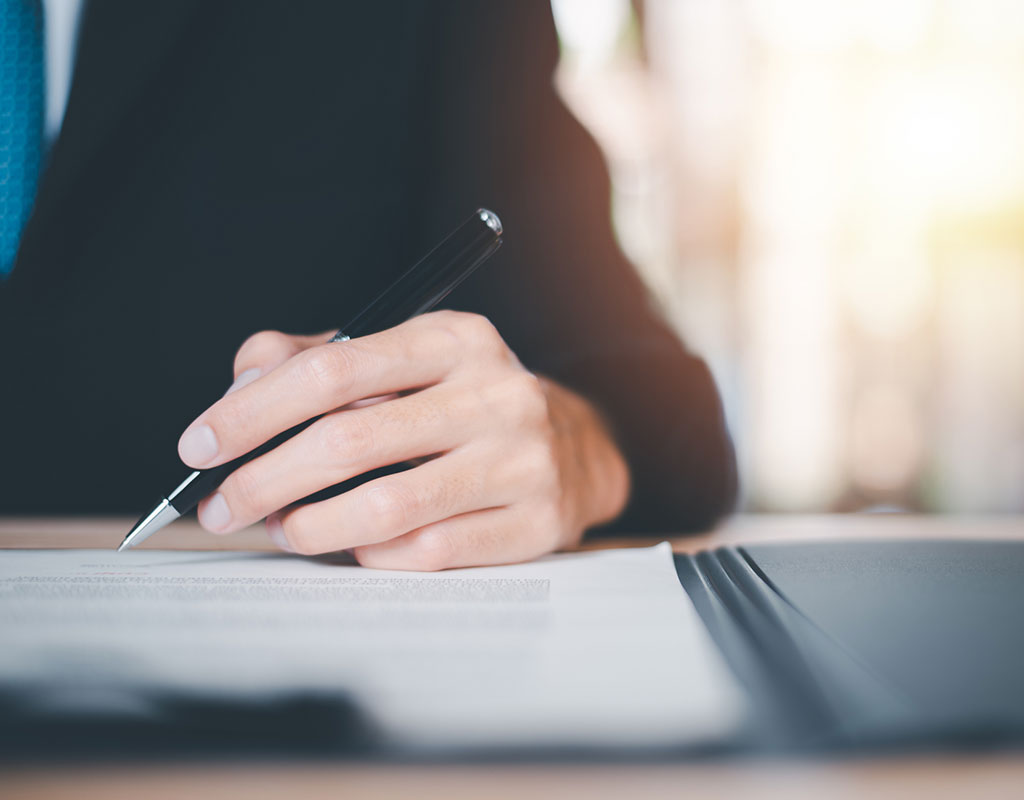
601 648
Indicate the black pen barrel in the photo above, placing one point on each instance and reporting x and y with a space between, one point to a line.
205 481
418 290
429 280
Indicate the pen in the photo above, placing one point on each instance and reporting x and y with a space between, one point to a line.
419 289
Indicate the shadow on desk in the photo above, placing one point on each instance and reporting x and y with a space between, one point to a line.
35 729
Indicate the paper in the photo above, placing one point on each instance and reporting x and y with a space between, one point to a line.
600 648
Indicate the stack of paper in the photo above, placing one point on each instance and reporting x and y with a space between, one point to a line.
599 648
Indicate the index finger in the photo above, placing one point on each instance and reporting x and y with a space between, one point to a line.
412 355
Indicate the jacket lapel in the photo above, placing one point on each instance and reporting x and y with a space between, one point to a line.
122 44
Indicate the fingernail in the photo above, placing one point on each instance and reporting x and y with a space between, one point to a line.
198 445
244 379
215 515
275 530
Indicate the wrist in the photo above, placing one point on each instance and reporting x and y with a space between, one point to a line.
595 475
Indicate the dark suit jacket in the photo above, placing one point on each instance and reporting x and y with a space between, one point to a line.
226 167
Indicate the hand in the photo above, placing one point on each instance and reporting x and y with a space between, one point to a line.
510 465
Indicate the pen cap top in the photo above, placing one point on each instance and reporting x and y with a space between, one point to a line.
427 282
490 219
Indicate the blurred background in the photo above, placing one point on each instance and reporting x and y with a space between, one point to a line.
825 197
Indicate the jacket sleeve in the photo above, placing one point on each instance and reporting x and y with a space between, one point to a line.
493 132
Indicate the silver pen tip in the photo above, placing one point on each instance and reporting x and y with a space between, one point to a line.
163 514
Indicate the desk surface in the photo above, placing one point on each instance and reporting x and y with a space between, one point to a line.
976 775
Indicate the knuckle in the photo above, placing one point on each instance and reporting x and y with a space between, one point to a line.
443 318
390 508
440 331
434 550
527 398
347 435
483 334
298 533
328 368
474 330
263 347
521 400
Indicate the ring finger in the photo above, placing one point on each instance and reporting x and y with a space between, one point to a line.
391 506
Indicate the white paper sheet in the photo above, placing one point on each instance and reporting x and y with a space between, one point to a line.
600 648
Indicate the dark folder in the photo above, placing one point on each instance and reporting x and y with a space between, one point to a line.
870 643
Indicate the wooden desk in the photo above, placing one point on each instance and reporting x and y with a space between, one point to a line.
974 775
